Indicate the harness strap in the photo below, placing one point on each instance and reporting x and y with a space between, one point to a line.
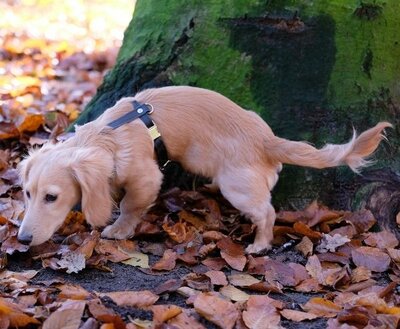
142 112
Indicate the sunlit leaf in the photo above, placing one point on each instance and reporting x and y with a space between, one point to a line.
217 310
132 298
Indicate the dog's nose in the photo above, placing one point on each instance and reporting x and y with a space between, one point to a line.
24 238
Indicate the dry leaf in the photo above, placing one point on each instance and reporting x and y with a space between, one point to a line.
280 272
322 307
71 291
215 264
67 317
382 240
217 278
394 254
331 242
305 230
167 262
242 280
14 315
305 246
138 259
138 299
73 262
261 313
361 220
233 293
185 320
233 253
198 281
217 310
163 313
371 258
297 316
360 274
177 232
110 249
189 217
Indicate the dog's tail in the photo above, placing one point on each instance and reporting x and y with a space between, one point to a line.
352 154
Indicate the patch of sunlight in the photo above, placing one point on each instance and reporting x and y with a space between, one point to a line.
87 24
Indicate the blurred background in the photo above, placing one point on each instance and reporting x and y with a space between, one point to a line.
53 56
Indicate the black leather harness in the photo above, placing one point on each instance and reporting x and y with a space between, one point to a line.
142 112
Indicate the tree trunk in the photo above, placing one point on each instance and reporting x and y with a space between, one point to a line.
312 70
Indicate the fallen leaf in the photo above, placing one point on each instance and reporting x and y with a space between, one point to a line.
261 313
109 248
217 278
233 293
242 280
185 320
217 310
212 236
138 299
360 274
88 245
138 259
167 262
305 230
394 254
215 264
311 216
309 285
305 246
232 253
65 318
177 232
206 249
187 292
280 272
257 265
168 286
331 242
275 287
361 220
382 240
71 291
14 315
322 307
73 262
371 258
198 281
334 257
191 218
297 316
11 245
163 313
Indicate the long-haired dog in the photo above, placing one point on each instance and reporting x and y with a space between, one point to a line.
204 131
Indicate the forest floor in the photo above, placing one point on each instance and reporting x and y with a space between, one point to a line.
186 267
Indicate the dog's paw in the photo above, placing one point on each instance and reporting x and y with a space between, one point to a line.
117 232
256 248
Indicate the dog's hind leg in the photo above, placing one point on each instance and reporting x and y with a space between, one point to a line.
141 191
248 190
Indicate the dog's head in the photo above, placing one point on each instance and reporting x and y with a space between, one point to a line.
55 178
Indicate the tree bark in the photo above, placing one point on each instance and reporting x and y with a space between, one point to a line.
312 70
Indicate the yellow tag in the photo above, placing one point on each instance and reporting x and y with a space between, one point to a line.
154 133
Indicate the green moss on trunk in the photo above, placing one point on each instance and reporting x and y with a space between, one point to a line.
312 69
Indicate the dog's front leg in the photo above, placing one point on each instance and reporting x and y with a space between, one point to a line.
140 194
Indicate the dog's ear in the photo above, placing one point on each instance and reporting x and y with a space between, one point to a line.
92 168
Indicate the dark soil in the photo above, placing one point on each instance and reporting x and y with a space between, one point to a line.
125 277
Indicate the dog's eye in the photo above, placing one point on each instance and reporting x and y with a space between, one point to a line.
50 198
28 194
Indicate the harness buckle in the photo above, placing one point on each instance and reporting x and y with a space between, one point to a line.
154 133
